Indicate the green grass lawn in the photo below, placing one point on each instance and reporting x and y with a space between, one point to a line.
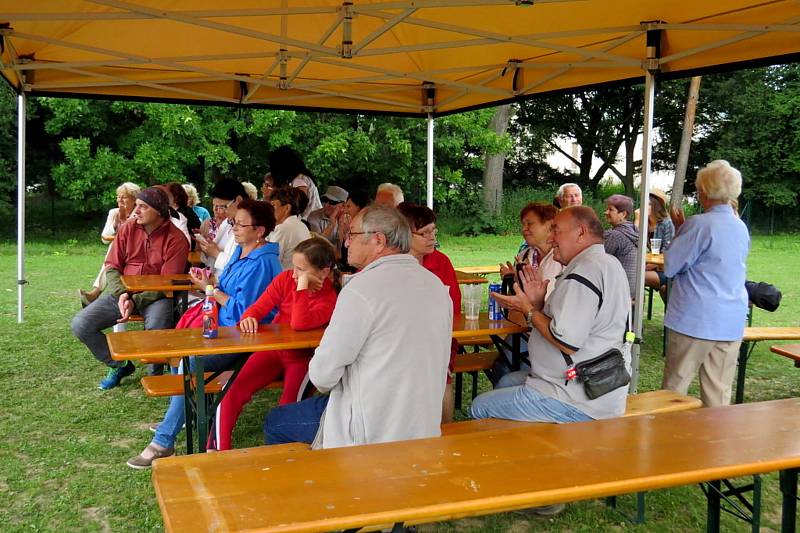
65 442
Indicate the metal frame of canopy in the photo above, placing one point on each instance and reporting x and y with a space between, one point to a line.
378 57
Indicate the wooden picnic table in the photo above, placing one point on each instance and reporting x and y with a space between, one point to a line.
288 488
176 286
469 279
173 343
195 258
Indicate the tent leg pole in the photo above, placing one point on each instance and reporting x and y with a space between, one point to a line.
647 143
430 163
21 101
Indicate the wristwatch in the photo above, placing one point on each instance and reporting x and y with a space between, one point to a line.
529 318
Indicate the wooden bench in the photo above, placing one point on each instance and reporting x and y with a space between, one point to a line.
472 364
472 474
790 351
172 384
751 336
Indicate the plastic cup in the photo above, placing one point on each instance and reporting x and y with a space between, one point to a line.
655 246
471 300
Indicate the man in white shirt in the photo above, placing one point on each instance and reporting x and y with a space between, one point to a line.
383 359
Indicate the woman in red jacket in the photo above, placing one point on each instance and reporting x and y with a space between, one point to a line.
423 246
305 297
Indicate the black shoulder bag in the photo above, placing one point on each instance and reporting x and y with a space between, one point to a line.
604 373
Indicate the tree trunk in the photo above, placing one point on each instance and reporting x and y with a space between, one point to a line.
493 172
686 142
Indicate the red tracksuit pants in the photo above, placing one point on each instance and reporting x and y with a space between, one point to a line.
261 369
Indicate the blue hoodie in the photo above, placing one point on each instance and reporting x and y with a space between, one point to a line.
244 279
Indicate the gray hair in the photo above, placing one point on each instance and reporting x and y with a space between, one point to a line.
191 192
560 193
390 222
719 181
129 189
396 191
250 189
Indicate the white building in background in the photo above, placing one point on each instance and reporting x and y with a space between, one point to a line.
662 179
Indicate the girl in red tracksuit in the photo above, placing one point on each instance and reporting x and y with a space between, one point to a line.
305 297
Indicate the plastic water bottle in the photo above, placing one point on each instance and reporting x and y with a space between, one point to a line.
210 315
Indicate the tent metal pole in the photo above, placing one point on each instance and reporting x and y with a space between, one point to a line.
647 144
430 162
21 101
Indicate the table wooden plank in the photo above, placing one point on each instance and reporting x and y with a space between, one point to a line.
467 475
157 282
469 279
134 345
480 270
195 258
771 334
655 259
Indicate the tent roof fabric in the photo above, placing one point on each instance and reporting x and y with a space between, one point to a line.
408 57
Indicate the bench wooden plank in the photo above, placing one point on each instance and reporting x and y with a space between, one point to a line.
468 475
791 351
659 401
474 362
172 384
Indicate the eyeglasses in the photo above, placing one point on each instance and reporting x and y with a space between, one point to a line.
238 225
350 235
428 234
219 207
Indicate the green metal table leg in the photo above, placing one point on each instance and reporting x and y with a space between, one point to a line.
640 507
188 409
713 508
741 370
200 404
756 523
788 481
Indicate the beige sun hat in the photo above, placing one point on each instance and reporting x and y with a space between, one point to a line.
661 195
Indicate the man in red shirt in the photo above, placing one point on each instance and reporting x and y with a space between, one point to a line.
148 244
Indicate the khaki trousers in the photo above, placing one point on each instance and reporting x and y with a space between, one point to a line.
715 361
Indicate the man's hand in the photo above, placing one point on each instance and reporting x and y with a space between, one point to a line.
248 325
534 286
125 307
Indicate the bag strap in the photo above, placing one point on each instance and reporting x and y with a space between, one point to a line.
583 281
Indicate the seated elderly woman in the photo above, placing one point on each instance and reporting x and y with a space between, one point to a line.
707 310
622 240
194 203
535 222
252 267
126 199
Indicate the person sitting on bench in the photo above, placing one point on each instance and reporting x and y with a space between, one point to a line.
148 243
252 267
585 316
382 362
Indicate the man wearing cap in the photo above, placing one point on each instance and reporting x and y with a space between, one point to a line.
320 219
147 244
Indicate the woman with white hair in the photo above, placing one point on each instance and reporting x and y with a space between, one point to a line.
194 203
126 200
707 308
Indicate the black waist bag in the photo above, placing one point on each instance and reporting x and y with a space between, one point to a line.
599 375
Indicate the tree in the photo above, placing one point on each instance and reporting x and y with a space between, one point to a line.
493 171
600 121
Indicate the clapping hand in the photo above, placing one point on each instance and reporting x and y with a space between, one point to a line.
201 277
530 295
508 268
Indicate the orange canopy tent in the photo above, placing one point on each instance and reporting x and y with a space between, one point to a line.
406 57
410 57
